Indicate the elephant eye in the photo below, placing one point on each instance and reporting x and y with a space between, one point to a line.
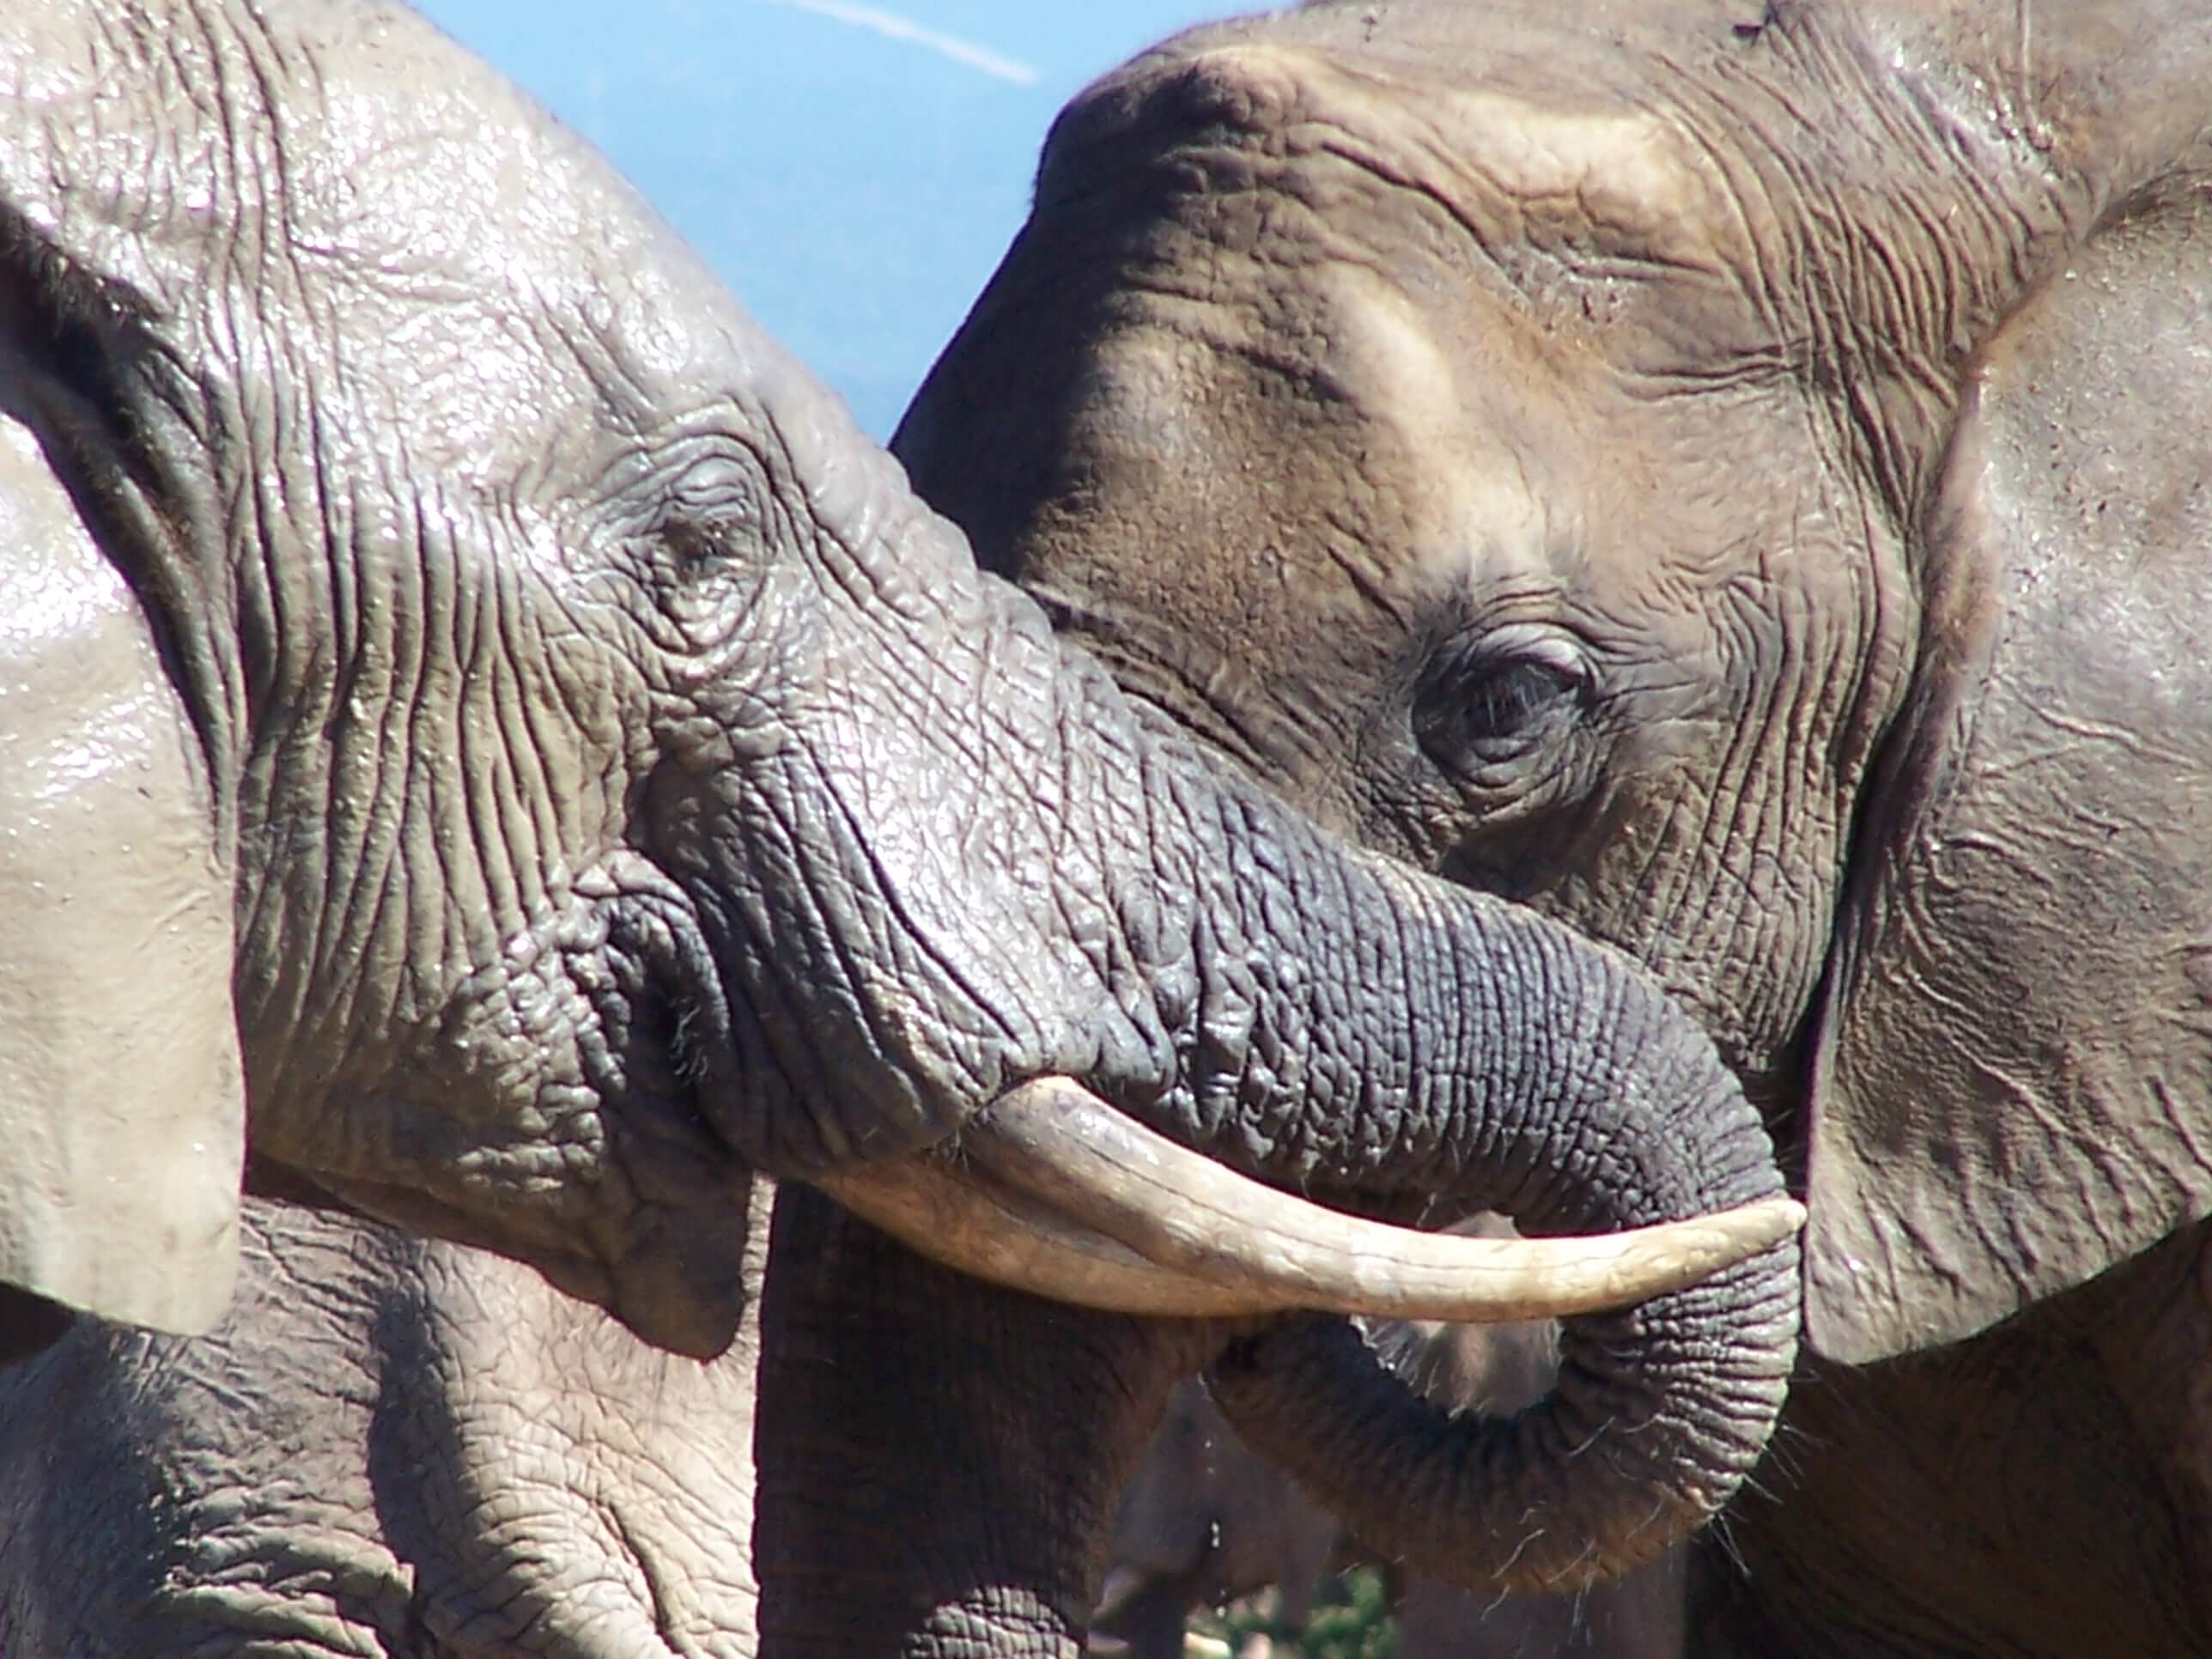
1495 697
694 544
713 515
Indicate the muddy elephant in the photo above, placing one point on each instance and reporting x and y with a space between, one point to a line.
485 742
1737 479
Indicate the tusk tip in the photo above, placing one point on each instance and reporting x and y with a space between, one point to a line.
1789 1216
1751 1229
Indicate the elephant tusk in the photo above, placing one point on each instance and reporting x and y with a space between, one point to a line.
1052 1191
959 1213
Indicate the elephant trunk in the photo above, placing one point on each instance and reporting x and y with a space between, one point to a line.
1347 1029
1658 1414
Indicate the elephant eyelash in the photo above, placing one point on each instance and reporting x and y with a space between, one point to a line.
1495 699
1509 701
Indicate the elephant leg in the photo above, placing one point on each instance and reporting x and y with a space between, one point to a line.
939 1460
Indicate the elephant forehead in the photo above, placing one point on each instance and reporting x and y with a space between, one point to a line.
1452 436
1569 190
1386 460
1374 462
507 295
1522 161
1585 185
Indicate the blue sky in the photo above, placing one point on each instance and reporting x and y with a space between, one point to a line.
852 170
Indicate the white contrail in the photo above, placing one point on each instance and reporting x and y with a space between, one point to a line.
891 24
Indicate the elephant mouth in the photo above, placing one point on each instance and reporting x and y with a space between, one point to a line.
1054 1192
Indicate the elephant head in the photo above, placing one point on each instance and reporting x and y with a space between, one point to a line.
477 715
1734 479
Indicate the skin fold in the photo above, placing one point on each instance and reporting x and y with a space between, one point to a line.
486 740
1734 479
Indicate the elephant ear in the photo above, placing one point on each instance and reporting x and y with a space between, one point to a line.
121 1105
2012 1088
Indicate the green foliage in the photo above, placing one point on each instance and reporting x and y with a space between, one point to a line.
1351 1620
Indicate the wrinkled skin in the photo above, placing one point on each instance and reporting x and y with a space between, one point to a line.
388 1446
555 768
1737 480
475 712
416 1449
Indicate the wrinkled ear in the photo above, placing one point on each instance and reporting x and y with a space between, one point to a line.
121 1106
2012 1089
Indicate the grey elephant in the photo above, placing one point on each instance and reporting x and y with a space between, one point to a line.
487 744
1738 479
387 1445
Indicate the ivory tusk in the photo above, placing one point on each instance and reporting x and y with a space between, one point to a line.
1052 1191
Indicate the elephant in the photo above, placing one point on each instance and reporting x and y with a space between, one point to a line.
488 746
1736 479
1207 1521
1201 1523
388 1444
